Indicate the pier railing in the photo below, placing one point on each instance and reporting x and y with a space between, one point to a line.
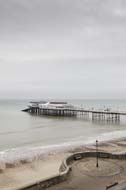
77 111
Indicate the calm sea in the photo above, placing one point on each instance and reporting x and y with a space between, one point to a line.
22 134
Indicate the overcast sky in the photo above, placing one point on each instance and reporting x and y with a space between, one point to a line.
62 49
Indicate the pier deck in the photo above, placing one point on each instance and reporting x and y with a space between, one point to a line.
95 114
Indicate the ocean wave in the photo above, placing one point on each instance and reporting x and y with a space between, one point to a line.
12 132
12 157
8 132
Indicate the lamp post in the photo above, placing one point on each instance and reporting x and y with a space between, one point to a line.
97 153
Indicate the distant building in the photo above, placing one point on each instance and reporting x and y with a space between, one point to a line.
56 105
36 104
51 105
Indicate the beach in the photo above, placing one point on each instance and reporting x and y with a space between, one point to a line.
22 174
29 172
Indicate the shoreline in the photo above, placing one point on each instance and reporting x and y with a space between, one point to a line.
8 159
26 172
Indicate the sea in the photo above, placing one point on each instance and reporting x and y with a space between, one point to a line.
26 136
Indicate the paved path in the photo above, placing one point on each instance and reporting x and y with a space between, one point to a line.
85 175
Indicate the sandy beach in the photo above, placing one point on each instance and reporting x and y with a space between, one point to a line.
14 177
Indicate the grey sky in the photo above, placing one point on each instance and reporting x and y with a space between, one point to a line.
62 48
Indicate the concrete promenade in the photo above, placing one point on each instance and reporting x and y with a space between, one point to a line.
85 175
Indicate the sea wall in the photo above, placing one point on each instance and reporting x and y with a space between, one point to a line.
66 168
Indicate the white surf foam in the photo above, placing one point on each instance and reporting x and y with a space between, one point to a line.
27 154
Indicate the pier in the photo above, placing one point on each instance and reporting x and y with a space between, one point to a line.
95 115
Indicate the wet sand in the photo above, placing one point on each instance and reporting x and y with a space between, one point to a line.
30 172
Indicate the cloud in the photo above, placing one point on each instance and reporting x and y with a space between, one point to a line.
62 47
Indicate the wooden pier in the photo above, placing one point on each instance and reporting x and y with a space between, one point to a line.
93 114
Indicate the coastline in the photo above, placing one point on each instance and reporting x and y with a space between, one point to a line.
19 155
30 171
